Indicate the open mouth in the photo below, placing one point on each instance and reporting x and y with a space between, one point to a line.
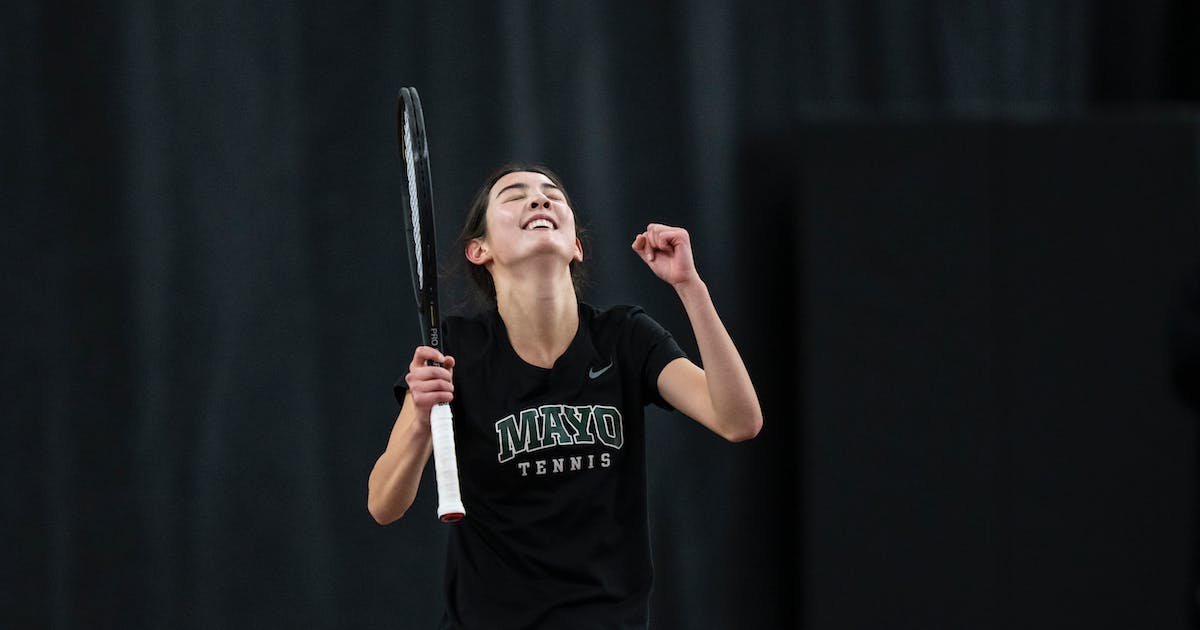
540 223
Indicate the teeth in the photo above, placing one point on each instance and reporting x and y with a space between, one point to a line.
537 223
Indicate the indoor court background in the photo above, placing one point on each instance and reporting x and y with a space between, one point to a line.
957 244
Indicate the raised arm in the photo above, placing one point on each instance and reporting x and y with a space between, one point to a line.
720 396
393 483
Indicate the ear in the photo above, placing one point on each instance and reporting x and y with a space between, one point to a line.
477 252
578 257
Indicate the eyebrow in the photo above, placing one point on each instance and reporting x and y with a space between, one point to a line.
523 186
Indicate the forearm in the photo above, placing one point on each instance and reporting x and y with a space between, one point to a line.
393 483
734 402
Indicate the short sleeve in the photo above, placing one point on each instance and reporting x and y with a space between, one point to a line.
655 348
400 389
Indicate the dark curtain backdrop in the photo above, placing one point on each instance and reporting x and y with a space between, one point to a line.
207 302
992 438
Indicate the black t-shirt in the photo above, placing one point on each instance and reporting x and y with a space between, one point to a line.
552 466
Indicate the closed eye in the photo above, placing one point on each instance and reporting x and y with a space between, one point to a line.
551 191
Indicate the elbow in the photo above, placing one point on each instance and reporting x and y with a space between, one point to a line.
742 435
381 513
747 431
383 519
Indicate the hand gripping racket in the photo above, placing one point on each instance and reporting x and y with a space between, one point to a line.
422 258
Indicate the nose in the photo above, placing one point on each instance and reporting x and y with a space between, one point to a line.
540 199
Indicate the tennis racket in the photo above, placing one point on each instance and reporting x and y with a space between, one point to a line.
422 258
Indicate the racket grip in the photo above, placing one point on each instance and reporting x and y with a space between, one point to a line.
445 463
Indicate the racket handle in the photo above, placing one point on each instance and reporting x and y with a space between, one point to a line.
445 463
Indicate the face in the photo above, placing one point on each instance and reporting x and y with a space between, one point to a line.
527 215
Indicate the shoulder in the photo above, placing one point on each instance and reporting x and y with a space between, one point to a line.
617 312
467 321
640 344
468 331
610 317
620 321
616 315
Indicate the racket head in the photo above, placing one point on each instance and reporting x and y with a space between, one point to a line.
418 213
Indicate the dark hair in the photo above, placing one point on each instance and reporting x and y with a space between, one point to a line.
475 226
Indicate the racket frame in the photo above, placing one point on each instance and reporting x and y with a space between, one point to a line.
421 237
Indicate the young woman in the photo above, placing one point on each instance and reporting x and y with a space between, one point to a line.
548 396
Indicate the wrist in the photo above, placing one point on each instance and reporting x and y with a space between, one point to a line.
419 429
691 288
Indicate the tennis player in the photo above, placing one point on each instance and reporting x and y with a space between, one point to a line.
548 396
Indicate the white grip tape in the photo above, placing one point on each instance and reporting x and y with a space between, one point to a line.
445 461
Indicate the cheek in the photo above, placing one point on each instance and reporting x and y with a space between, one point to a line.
570 214
499 215
492 220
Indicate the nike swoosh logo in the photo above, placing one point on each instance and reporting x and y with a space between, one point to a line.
592 374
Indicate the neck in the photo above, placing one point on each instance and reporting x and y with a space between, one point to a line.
541 314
